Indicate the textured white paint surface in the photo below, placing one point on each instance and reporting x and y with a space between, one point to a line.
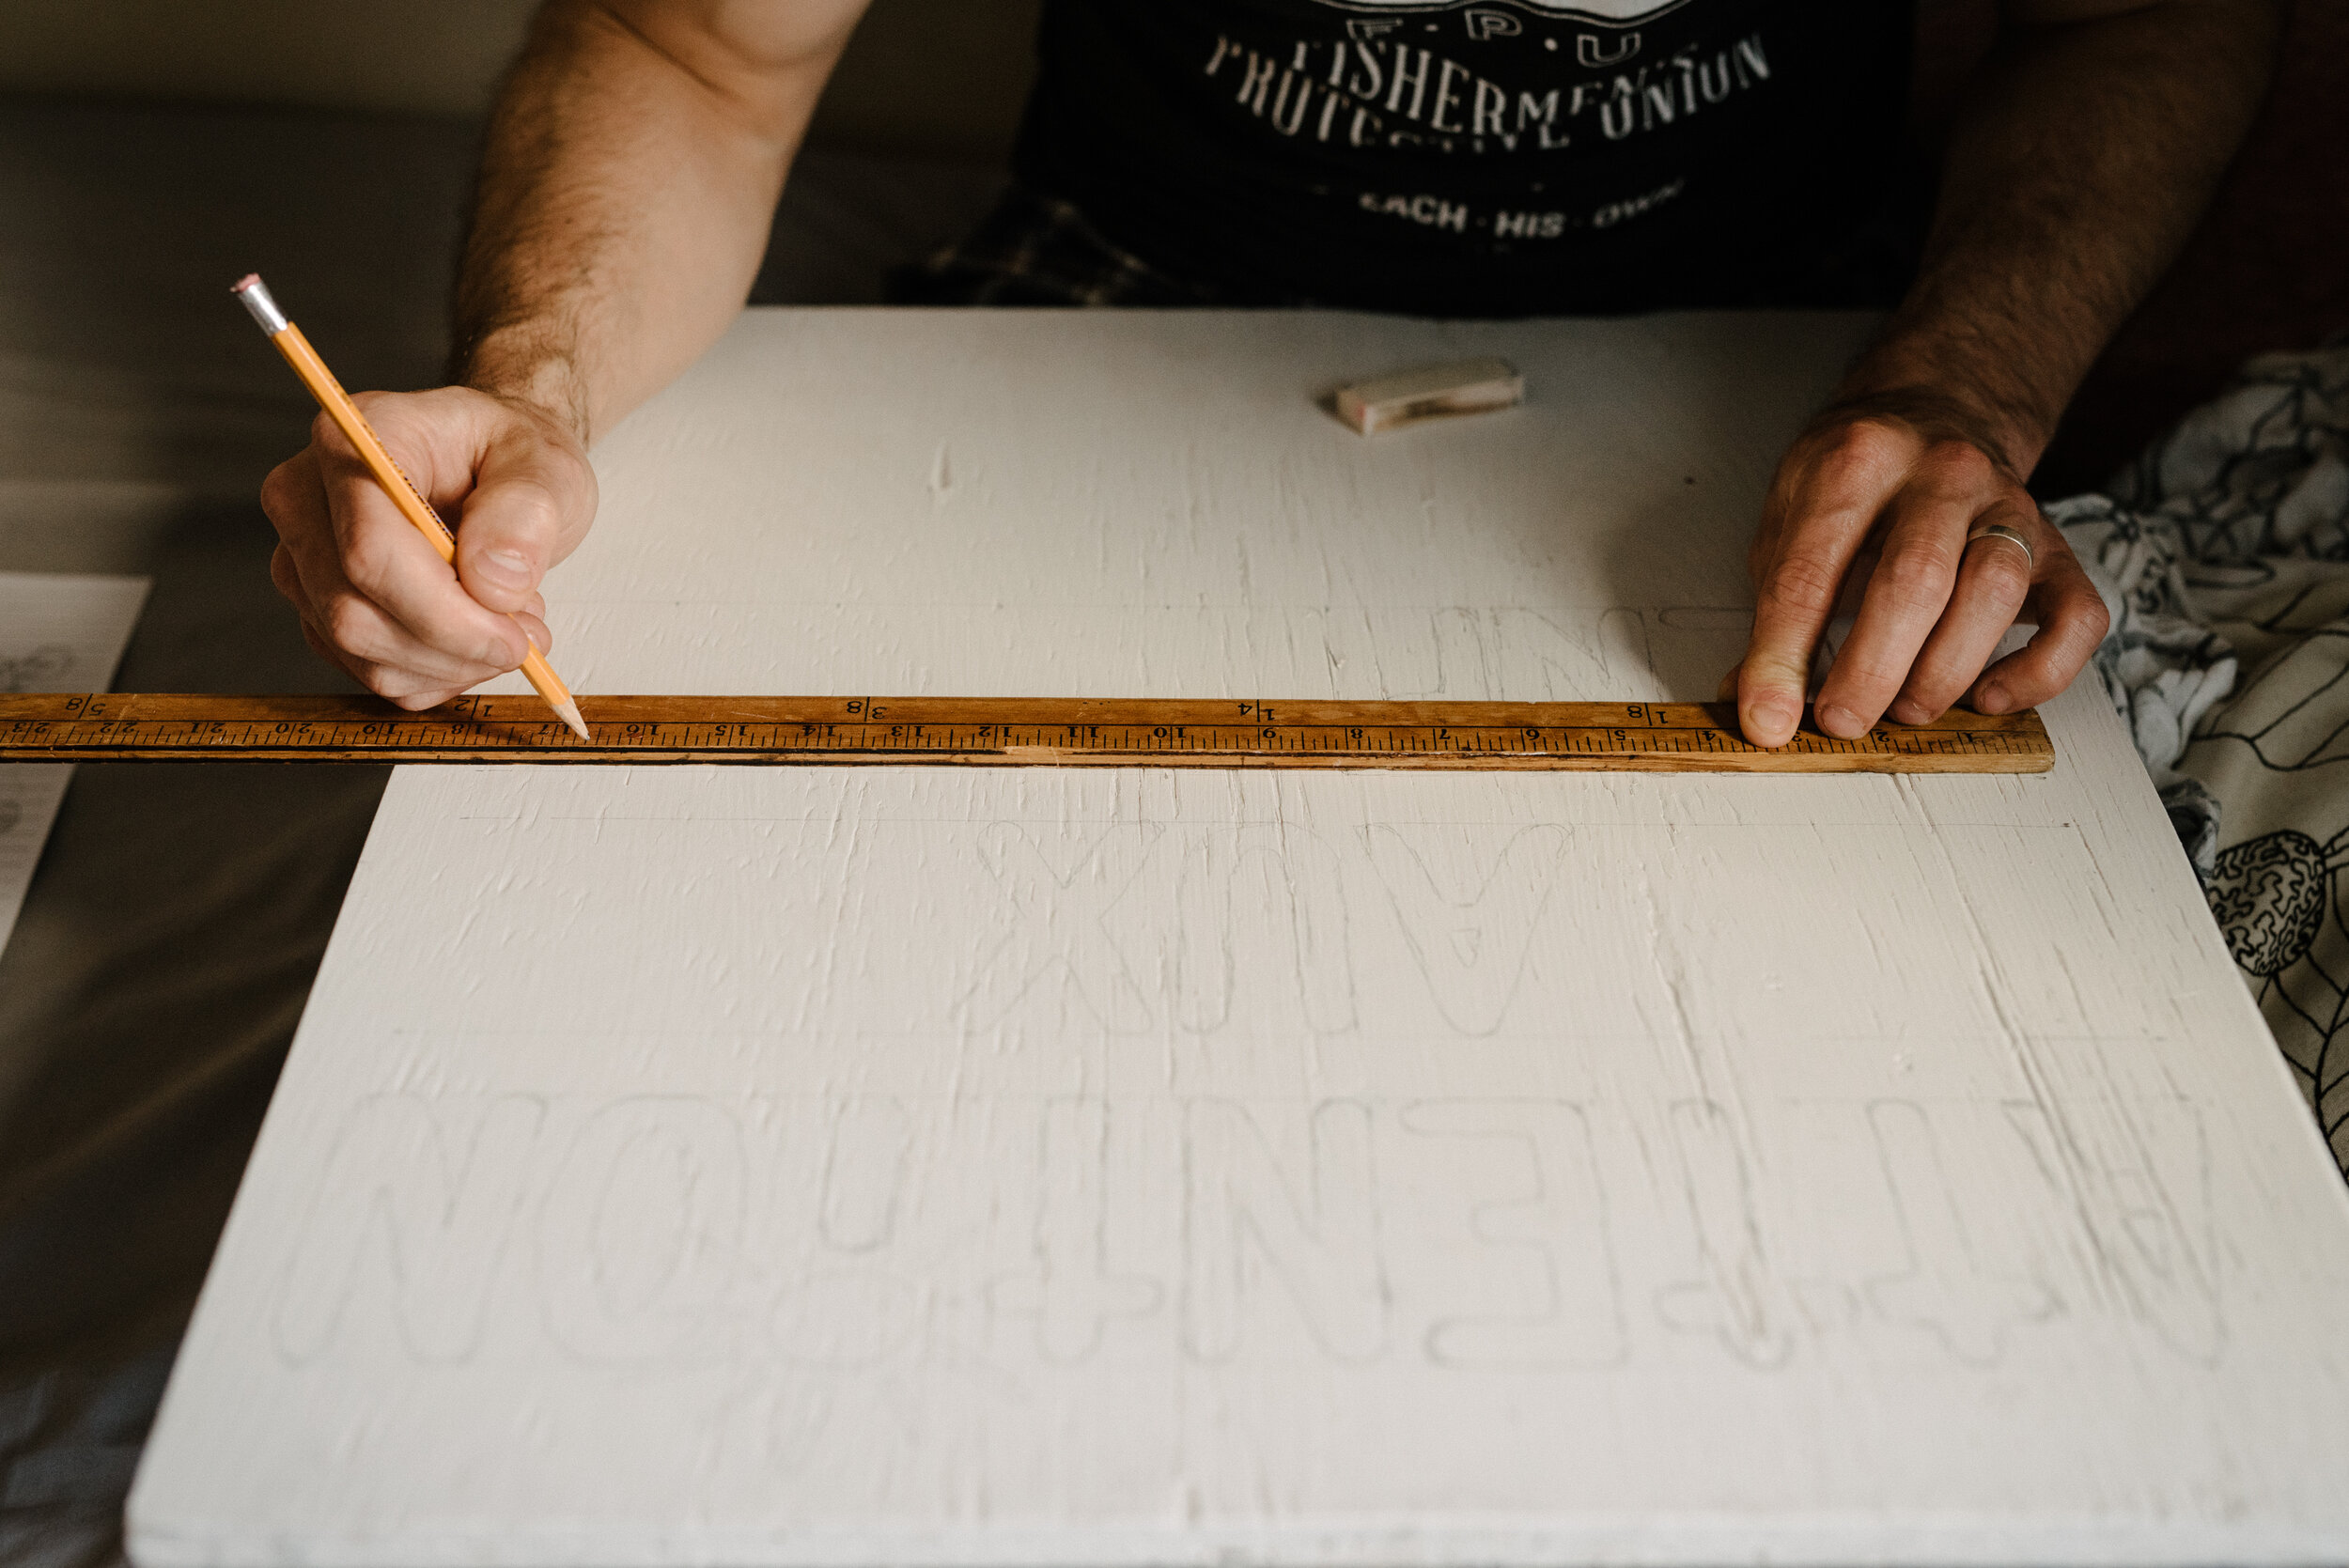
897 1166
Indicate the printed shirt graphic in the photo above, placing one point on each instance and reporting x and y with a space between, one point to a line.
1467 156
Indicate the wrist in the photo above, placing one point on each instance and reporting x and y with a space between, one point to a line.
521 367
1953 384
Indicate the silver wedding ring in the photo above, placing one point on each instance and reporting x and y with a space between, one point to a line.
2012 535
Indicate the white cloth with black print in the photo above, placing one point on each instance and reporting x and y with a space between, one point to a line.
2223 553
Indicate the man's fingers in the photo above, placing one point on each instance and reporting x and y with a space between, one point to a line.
426 696
364 631
382 655
285 572
396 686
1821 510
438 439
1791 613
294 496
404 664
529 505
380 650
284 577
325 649
392 567
1993 579
1906 594
506 541
2073 620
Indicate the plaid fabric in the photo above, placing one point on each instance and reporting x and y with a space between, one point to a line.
1036 250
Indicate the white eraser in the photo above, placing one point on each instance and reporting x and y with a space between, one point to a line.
1433 392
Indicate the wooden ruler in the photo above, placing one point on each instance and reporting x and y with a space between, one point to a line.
1665 737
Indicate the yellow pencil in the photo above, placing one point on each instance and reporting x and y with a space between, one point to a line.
403 491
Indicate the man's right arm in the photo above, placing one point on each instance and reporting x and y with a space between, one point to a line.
627 184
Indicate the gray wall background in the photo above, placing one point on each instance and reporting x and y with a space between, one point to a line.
943 78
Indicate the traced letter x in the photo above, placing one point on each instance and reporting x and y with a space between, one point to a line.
1056 927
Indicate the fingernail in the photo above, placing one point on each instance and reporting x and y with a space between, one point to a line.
508 568
1994 699
1841 722
1909 712
1772 720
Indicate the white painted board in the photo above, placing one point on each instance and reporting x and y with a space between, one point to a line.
1027 1167
58 632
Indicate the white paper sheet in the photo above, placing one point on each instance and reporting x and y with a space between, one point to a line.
57 634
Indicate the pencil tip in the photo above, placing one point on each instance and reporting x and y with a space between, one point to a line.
569 712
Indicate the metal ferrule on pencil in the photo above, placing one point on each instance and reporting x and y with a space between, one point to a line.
257 299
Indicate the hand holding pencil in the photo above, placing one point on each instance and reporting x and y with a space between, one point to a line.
359 539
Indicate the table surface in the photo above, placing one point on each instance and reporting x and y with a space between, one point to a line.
1039 1167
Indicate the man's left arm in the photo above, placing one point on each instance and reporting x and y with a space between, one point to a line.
2087 149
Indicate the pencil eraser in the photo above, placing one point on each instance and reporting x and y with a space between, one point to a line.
1433 392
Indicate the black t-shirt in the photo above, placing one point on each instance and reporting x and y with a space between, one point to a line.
1451 157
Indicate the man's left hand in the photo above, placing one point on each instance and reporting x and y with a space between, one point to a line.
1880 494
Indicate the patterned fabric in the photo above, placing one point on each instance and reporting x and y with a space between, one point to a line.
2223 553
1033 250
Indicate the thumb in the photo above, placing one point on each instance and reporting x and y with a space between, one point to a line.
530 502
1772 682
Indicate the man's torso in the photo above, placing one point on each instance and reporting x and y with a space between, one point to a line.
1447 155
